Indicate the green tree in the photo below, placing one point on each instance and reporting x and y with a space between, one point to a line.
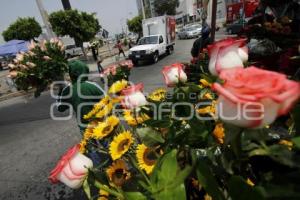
81 26
22 29
167 7
135 25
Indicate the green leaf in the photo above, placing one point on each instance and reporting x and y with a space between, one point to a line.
134 196
87 189
169 167
296 118
177 193
296 142
207 180
149 136
239 189
164 123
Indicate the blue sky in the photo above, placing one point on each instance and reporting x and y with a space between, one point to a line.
111 13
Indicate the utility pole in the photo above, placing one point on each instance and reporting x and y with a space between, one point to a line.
66 4
213 19
44 14
143 9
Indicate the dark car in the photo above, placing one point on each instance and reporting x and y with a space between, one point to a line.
235 27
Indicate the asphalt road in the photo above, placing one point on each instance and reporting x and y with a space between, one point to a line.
31 142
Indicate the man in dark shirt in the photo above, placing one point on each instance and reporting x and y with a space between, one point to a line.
201 42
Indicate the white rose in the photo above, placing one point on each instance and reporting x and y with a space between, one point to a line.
226 54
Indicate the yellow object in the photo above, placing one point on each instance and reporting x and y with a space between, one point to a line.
207 197
211 110
158 95
249 182
146 158
134 120
118 87
120 145
118 173
103 102
207 96
219 133
103 195
104 111
204 83
286 143
103 129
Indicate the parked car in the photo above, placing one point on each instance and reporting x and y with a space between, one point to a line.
235 27
72 51
191 31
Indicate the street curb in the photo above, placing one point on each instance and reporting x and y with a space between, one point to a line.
16 94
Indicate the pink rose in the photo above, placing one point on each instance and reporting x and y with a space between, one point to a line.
134 97
30 64
72 168
174 74
46 58
31 45
127 63
13 74
227 53
254 97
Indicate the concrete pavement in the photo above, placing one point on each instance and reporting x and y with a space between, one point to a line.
31 142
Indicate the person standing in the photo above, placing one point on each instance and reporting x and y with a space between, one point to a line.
81 95
201 43
120 48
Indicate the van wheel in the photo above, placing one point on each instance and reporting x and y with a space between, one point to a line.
155 57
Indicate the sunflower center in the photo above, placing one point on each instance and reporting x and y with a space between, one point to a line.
149 157
107 129
119 177
123 144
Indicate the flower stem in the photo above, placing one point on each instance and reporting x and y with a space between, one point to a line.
110 191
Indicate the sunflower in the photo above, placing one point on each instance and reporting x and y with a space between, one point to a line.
103 195
204 83
118 87
120 145
118 173
87 135
100 105
218 133
158 95
105 128
146 157
104 111
134 120
250 182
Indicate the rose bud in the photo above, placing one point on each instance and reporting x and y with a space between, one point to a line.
13 74
31 45
30 64
134 97
174 74
227 53
11 66
72 168
127 63
46 58
19 57
253 97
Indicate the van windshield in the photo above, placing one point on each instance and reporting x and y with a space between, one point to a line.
148 40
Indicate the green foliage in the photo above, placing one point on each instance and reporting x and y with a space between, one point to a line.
79 25
166 7
135 25
23 29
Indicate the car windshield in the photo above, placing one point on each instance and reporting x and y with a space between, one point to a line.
148 40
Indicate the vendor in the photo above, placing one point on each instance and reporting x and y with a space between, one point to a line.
91 93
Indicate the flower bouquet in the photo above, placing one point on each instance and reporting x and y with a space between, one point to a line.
217 138
40 66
